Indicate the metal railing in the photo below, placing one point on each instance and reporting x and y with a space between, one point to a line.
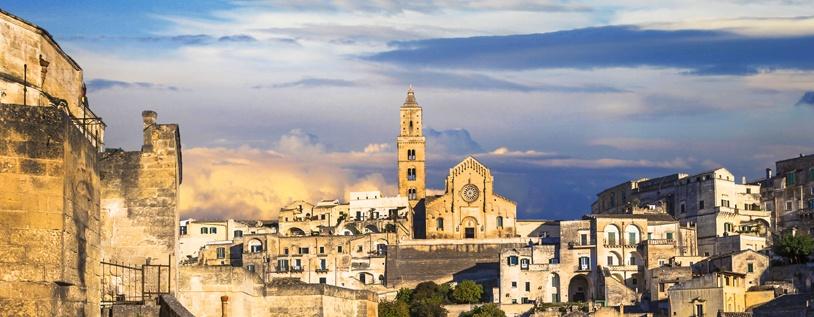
125 284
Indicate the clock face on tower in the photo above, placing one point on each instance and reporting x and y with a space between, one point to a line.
470 193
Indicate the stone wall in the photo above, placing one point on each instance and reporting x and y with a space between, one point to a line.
413 262
49 215
140 197
201 290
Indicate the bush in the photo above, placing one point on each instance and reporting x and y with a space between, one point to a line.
395 308
486 310
429 291
427 308
467 292
796 249
405 295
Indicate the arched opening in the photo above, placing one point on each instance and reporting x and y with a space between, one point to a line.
499 221
381 279
611 235
633 234
632 258
366 278
371 229
470 226
578 289
296 232
255 246
614 259
411 194
555 288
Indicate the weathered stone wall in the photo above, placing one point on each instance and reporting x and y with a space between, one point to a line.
34 69
140 197
49 215
410 263
201 289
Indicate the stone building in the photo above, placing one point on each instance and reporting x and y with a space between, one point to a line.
410 151
140 197
711 201
605 258
789 195
709 295
49 178
195 234
750 263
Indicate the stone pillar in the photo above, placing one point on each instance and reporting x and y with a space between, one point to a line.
149 118
224 306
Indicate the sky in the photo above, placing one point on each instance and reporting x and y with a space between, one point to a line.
286 100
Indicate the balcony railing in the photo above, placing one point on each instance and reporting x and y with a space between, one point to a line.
583 268
659 241
322 270
579 244
296 269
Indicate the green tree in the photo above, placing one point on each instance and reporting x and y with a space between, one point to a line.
467 292
428 291
795 248
405 295
430 307
395 308
486 310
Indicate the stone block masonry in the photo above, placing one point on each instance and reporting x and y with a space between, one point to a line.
139 197
49 215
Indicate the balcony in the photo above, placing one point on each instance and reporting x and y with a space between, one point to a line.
281 269
583 268
580 245
296 270
322 270
659 242
624 267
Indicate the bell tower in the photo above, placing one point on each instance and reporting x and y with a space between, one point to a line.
410 145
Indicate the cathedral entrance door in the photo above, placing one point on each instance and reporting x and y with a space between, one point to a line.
469 233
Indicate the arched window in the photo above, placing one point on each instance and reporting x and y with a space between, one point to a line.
411 174
411 194
439 224
411 155
524 264
633 234
381 279
612 235
499 221
204 230
255 246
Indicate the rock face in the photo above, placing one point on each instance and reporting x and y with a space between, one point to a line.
807 99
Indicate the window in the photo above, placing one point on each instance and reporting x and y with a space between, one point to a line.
612 238
514 284
297 264
524 264
584 263
238 233
304 250
213 230
511 260
583 239
661 287
610 260
631 260
323 280
323 264
669 236
250 268
439 224
358 215
555 298
204 230
362 278
791 178
528 286
411 155
701 204
699 310
411 194
182 230
728 227
282 265
750 267
789 205
683 207
724 203
499 222
255 246
411 174
221 253
321 250
339 249
359 248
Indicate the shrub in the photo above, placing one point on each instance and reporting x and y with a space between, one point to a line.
796 248
486 310
395 308
467 292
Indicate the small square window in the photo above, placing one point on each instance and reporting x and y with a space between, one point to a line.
514 284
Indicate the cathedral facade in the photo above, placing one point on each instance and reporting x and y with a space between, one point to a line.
468 209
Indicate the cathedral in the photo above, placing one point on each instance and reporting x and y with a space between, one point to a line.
468 209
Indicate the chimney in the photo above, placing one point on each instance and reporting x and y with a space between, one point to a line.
768 173
149 118
224 306
743 180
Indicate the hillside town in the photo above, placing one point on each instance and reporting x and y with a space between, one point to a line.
94 230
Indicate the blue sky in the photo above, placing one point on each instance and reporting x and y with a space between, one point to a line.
285 100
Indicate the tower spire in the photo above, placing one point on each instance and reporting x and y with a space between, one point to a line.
410 101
